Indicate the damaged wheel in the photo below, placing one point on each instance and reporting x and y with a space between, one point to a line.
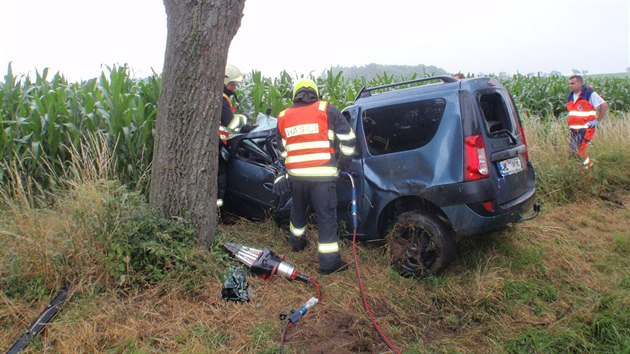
419 244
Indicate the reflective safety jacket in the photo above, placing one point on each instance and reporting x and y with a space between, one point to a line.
308 139
224 134
581 111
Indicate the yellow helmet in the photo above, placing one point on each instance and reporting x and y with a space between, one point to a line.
304 84
232 73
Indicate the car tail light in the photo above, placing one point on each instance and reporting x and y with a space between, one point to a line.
520 126
475 163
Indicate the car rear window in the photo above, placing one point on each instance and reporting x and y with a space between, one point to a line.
495 113
402 127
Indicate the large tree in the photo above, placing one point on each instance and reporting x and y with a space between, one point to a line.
184 172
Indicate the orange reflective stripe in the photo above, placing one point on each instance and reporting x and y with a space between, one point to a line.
227 98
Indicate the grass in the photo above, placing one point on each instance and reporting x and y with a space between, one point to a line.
559 178
534 287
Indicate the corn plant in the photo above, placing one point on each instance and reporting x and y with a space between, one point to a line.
546 96
261 94
41 119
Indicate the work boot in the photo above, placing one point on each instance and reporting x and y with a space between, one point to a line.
298 243
340 267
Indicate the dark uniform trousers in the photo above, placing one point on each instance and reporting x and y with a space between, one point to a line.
322 196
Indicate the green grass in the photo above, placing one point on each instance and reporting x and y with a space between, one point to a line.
528 291
508 292
604 329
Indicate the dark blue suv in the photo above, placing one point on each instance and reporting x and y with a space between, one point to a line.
435 158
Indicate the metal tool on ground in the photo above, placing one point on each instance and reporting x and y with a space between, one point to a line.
41 321
265 263
295 316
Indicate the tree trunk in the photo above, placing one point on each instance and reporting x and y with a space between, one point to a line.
185 154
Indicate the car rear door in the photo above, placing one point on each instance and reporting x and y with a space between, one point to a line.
505 144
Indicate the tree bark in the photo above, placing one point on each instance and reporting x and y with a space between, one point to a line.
185 154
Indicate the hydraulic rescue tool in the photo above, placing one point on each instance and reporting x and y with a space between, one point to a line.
266 264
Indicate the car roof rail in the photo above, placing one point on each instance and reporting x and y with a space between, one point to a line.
367 92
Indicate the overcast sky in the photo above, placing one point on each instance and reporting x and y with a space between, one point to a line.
78 37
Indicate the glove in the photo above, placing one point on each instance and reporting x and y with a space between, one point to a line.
593 123
343 164
282 185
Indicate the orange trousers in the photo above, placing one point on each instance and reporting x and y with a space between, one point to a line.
580 140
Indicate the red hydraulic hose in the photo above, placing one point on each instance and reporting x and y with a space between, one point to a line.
365 303
355 224
316 285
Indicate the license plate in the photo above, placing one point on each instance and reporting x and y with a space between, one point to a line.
510 166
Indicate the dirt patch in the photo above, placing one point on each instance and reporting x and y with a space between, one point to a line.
334 332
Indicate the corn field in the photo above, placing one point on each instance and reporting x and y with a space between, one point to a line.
42 120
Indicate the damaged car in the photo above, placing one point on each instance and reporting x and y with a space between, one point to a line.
435 158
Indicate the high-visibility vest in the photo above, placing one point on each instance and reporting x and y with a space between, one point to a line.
581 111
308 142
224 134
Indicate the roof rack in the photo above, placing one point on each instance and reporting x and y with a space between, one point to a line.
367 92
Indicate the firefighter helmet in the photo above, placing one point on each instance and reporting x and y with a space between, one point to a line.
232 73
304 84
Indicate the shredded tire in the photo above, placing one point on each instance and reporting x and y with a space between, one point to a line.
419 245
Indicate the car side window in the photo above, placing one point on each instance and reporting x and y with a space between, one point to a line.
402 127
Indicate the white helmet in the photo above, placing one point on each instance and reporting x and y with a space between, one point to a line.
232 73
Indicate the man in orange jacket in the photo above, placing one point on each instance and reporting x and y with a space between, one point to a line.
309 134
586 109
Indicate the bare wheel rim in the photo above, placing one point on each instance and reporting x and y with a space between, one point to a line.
414 250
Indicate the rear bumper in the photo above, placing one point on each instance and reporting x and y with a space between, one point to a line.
466 222
462 203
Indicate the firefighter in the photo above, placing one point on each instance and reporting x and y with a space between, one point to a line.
233 77
586 109
309 133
